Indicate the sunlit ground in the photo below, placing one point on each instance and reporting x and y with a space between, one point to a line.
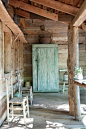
64 107
18 123
49 119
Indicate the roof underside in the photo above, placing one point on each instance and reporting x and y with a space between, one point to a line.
53 6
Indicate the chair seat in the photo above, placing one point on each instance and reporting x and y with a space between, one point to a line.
27 91
25 88
16 100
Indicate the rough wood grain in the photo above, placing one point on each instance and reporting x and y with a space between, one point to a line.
81 15
76 64
70 71
22 13
58 6
45 76
33 9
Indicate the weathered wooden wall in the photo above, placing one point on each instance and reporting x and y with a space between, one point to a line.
11 60
82 50
59 37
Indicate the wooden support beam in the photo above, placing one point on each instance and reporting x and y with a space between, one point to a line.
62 18
70 71
33 9
22 23
65 18
22 13
7 20
81 15
75 3
80 84
73 61
67 1
58 6
76 64
1 53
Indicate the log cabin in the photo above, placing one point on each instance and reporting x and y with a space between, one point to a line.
38 59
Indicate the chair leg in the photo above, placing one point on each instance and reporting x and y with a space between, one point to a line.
24 113
63 86
21 93
12 111
8 113
28 108
31 95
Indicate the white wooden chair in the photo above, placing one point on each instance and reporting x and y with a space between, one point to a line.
27 91
65 85
16 104
62 81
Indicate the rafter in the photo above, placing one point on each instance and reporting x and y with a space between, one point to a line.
81 15
33 9
67 1
76 2
22 13
7 20
58 6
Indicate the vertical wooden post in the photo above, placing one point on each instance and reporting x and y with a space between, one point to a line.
70 71
18 56
73 61
1 50
7 93
1 56
76 88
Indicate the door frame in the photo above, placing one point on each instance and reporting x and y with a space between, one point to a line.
34 63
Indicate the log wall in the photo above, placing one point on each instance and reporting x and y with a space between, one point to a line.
11 60
59 31
59 36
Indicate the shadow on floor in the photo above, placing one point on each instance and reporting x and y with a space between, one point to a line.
49 111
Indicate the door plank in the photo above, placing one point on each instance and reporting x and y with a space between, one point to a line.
50 69
45 68
42 69
56 69
34 57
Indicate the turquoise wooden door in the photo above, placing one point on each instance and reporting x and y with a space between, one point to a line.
45 68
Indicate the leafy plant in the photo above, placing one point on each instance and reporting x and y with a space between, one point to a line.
78 70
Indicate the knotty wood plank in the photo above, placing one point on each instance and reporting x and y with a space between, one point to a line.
58 6
22 13
33 9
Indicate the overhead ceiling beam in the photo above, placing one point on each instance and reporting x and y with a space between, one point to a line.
22 13
76 2
7 20
58 6
67 1
33 9
65 18
61 17
81 15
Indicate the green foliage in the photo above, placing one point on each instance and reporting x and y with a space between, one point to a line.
78 70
